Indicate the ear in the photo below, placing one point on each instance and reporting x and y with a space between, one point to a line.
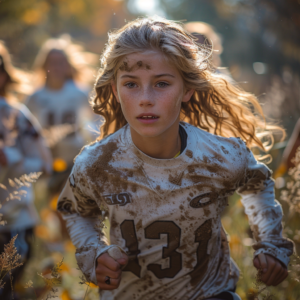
114 89
188 94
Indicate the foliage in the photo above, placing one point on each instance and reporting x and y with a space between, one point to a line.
16 192
26 24
53 280
292 194
9 260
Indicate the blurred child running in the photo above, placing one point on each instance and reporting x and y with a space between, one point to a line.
171 154
22 151
61 107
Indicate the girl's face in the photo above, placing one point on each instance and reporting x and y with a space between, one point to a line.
57 66
150 91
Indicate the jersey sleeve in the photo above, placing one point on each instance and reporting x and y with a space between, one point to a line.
37 155
28 152
83 218
30 103
263 211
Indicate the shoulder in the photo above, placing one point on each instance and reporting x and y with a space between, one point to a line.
26 121
39 92
36 95
96 157
231 149
71 87
20 110
23 111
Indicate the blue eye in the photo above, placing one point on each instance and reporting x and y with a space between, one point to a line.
130 85
162 84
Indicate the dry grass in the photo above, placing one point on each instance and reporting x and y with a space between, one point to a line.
15 192
292 194
52 280
9 260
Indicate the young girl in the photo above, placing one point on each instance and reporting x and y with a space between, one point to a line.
22 151
163 183
60 102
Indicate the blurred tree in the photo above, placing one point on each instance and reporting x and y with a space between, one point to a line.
26 24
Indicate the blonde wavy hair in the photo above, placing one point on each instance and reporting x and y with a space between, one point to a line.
216 106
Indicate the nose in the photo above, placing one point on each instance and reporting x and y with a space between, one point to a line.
146 97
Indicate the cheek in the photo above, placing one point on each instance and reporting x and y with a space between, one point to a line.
178 102
127 103
173 100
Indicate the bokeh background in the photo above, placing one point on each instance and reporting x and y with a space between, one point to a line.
261 51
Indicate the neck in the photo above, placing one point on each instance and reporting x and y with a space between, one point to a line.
164 146
54 84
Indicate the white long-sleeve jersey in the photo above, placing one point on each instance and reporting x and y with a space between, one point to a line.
25 151
69 105
166 213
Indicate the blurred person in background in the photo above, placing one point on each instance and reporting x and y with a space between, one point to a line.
208 37
22 150
61 107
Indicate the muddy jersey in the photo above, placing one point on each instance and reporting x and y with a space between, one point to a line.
166 213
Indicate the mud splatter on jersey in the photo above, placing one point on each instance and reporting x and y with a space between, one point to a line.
166 213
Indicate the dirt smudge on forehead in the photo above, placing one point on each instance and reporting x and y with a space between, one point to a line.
138 65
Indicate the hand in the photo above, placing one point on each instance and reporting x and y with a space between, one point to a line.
3 159
272 270
107 266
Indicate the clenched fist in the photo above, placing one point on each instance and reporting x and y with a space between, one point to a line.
272 270
109 270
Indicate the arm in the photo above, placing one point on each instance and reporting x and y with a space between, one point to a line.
24 150
264 214
35 155
81 216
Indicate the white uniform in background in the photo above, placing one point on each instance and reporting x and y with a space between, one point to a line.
26 151
166 214
68 105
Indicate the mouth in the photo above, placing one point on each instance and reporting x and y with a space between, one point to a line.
146 118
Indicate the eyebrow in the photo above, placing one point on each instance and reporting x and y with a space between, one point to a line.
156 76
